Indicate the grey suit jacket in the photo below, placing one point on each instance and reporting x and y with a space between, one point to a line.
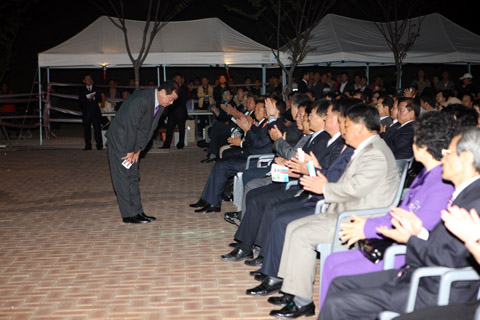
133 125
285 150
369 181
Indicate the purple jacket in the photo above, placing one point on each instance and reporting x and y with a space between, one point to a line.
427 196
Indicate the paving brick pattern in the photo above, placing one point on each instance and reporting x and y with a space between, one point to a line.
65 254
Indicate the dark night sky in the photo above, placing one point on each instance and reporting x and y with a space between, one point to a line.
53 21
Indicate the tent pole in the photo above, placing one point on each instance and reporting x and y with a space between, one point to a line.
469 68
158 76
264 79
48 109
40 101
164 74
367 73
284 83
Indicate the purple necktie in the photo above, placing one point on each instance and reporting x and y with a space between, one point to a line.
156 110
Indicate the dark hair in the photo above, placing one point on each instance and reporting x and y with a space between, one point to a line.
169 86
322 107
446 94
299 98
428 98
344 104
362 95
387 101
435 130
465 116
223 91
280 104
467 94
308 106
365 114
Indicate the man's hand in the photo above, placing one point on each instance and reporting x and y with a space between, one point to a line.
383 128
463 224
280 161
234 141
311 157
132 157
353 231
406 224
297 166
270 107
314 184
276 134
244 124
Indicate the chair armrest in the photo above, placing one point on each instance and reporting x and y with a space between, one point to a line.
390 254
414 282
292 183
319 206
461 274
387 315
259 157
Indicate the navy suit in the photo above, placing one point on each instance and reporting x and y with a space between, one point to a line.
257 141
177 115
364 296
401 141
91 115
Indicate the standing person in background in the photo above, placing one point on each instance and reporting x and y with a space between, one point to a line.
177 115
421 81
130 131
205 95
89 97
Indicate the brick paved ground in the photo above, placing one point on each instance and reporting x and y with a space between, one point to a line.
65 254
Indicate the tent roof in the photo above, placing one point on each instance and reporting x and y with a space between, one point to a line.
196 42
338 39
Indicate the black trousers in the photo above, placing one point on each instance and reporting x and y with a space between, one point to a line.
90 117
175 119
125 183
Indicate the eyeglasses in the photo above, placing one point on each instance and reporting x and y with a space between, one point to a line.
446 152
311 115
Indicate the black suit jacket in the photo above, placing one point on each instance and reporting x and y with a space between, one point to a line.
257 140
318 146
89 106
444 249
132 127
302 86
401 141
179 106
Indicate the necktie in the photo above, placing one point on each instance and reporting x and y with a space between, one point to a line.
156 110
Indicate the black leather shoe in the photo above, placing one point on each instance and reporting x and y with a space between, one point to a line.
237 254
87 148
282 300
136 219
233 244
227 198
230 216
207 209
254 262
199 204
260 277
255 272
291 311
268 286
151 218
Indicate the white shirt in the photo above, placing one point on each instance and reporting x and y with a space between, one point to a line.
332 139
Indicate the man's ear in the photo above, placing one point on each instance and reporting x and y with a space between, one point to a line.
466 158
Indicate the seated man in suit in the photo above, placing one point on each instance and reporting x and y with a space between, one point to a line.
384 106
257 200
371 171
256 141
364 296
401 140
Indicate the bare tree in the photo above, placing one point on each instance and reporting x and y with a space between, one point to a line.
158 15
399 28
287 24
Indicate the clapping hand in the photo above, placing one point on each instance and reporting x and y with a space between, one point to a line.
406 224
314 184
353 231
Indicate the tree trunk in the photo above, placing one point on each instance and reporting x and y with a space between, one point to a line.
136 70
398 65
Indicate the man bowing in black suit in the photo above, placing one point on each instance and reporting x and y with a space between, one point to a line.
89 97
364 296
129 133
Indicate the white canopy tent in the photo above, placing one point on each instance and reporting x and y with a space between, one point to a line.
352 42
204 42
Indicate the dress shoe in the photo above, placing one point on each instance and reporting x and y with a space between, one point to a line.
233 244
87 148
99 148
207 209
136 219
151 218
230 216
282 300
227 198
180 146
254 262
255 272
268 286
237 254
291 311
199 204
260 277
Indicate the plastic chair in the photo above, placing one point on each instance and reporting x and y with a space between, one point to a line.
328 247
260 160
447 277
